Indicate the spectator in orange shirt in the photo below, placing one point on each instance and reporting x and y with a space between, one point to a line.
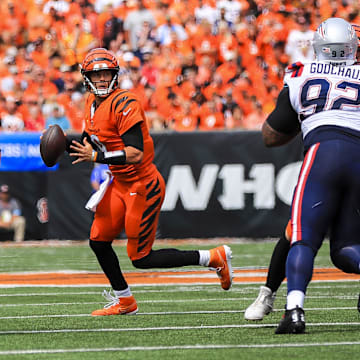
38 23
40 85
210 117
76 112
216 87
34 119
237 119
89 14
73 102
138 87
78 41
38 55
256 118
205 43
185 119
205 71
229 68
187 85
227 42
13 22
168 108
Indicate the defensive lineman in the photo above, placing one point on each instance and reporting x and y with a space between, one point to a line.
322 99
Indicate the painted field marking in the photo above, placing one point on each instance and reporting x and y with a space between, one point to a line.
21 317
178 347
167 328
241 276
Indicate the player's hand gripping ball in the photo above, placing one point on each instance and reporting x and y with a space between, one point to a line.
52 145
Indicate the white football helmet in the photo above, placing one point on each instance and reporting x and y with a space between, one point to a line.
335 41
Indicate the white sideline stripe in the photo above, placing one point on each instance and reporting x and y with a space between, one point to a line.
143 302
259 282
166 301
204 287
139 313
176 347
177 328
163 313
341 297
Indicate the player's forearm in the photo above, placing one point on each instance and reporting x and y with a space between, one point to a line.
273 138
129 155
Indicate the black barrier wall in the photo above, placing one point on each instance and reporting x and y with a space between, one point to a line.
217 184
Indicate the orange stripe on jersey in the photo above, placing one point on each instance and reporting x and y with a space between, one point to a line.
299 193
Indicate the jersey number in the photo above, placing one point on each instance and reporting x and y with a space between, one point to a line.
315 96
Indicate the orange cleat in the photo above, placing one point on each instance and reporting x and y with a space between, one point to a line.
220 260
117 306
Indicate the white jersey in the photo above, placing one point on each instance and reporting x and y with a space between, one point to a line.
323 94
299 46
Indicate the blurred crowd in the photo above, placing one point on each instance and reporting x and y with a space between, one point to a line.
195 64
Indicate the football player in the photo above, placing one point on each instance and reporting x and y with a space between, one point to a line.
116 133
264 302
322 99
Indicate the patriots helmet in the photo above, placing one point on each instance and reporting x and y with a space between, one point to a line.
335 41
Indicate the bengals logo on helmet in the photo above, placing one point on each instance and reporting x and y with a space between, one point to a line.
97 60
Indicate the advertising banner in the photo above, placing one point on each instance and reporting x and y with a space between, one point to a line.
21 152
218 184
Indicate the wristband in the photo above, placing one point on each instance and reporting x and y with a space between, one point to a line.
111 157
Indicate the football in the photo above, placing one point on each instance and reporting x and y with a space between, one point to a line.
52 145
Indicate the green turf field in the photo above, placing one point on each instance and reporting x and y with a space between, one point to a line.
174 322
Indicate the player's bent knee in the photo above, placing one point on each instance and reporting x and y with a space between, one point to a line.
98 247
143 263
346 260
303 243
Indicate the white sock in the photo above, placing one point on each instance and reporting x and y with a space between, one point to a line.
204 257
295 298
123 293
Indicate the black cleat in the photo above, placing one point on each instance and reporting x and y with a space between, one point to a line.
359 304
293 322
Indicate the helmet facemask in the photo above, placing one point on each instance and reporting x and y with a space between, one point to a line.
98 60
91 85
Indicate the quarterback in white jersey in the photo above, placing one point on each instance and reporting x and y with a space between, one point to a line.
321 99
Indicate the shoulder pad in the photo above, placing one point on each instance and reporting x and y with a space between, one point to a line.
295 69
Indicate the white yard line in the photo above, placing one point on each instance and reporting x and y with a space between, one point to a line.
166 328
178 347
160 301
22 317
165 289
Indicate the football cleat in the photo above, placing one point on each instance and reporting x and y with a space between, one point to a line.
358 304
293 322
263 305
117 306
220 260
